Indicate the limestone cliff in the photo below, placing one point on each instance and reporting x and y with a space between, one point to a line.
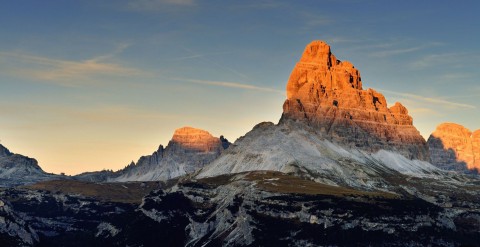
326 93
454 147
189 139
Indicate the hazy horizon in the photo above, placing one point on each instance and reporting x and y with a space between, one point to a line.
86 86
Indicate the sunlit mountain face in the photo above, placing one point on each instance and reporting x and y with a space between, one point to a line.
454 147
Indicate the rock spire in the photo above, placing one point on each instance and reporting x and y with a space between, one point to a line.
327 93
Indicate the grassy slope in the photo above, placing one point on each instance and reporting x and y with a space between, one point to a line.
131 192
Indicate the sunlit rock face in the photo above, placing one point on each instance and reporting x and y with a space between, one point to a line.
454 147
476 148
327 93
195 140
189 150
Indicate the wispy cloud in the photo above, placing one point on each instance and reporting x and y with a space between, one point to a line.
392 52
398 51
57 115
64 72
338 40
453 59
202 55
117 113
443 102
211 62
371 44
424 110
260 4
156 5
455 76
431 60
312 21
391 47
465 96
316 21
231 85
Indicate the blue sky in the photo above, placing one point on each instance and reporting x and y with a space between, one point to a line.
87 85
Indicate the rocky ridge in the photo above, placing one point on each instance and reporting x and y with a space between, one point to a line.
454 147
331 131
295 147
330 191
261 208
16 169
188 150
328 94
4 152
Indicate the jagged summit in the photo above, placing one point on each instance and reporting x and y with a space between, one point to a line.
318 56
454 147
331 130
328 94
188 150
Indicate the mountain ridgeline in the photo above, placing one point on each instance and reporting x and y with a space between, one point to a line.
331 130
16 169
188 150
340 168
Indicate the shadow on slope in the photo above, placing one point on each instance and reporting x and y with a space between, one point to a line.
447 158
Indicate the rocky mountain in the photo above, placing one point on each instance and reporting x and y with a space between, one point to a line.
294 147
188 150
339 169
331 131
327 93
16 169
454 147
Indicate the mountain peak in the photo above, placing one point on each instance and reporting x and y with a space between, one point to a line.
16 169
327 93
452 128
454 147
195 139
318 52
317 56
187 130
188 150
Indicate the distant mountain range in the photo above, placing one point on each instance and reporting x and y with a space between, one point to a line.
189 150
340 168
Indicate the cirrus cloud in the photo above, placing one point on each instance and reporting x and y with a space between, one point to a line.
63 72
